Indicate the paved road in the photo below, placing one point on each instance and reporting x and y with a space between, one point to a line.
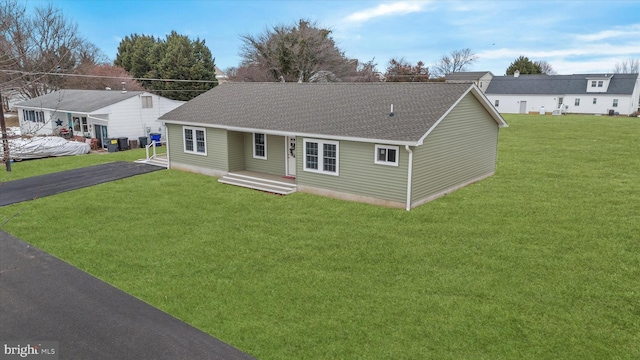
16 191
45 299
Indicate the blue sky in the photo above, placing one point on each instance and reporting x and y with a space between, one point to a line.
573 36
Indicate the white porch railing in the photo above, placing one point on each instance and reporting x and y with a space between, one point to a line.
153 145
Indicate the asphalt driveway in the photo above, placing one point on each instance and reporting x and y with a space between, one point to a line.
43 298
16 191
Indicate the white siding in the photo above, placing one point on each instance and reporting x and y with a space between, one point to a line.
510 104
128 119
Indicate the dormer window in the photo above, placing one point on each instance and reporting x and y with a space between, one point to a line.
598 83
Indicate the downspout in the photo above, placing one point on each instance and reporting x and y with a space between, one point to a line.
166 131
409 176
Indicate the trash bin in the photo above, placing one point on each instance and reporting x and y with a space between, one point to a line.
133 144
123 143
155 137
611 112
143 141
112 145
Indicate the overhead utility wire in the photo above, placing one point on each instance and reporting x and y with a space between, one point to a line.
103 77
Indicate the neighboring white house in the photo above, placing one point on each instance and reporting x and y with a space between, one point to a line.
578 93
480 78
100 114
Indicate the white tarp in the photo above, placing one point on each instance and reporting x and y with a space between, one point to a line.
40 147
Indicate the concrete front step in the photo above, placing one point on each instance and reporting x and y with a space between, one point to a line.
256 183
154 161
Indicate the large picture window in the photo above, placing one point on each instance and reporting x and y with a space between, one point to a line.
321 156
260 146
33 116
195 140
386 155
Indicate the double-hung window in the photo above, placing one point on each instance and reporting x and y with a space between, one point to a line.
260 146
497 103
615 102
321 156
195 140
147 102
577 103
386 155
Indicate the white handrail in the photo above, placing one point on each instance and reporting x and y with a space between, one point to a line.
153 144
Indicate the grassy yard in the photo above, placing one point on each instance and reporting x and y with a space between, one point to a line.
540 261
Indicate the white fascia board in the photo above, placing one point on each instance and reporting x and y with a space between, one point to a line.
293 134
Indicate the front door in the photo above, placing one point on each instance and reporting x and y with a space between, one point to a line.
102 135
560 100
291 156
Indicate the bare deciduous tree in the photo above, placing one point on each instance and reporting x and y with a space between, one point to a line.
456 61
293 53
37 47
631 66
546 68
403 71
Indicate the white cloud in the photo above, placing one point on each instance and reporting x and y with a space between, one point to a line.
630 49
631 30
396 8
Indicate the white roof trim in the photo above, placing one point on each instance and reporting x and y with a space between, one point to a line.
287 133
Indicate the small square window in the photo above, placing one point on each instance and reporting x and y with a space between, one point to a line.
386 155
593 83
600 83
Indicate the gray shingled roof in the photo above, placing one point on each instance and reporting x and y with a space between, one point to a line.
84 101
621 84
357 110
466 75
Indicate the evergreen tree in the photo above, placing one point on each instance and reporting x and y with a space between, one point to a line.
524 66
176 57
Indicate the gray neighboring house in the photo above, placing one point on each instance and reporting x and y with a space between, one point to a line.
578 93
99 114
390 144
480 78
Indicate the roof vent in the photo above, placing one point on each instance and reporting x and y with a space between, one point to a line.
516 73
391 113
124 90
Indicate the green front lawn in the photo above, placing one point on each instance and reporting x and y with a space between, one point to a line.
540 261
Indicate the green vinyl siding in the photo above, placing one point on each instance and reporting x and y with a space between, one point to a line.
358 174
216 157
461 148
235 150
275 162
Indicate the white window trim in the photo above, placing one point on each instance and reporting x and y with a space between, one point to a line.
615 103
496 103
254 147
321 143
388 147
195 141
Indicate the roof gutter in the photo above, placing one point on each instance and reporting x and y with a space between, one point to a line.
409 176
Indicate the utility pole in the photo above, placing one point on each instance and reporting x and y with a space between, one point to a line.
5 140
